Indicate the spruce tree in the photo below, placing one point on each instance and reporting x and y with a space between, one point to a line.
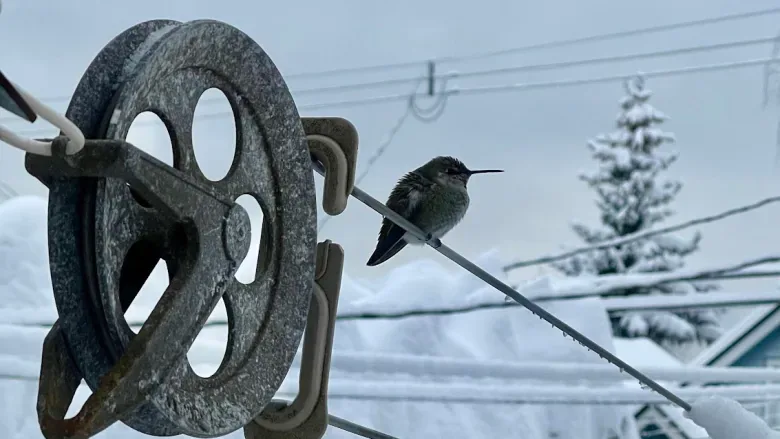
632 197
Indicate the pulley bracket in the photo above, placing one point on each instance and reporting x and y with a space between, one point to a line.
333 141
307 416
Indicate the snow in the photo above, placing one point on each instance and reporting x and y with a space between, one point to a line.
641 352
634 325
727 419
23 251
508 335
480 369
670 324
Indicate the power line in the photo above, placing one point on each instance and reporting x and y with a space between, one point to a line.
503 70
666 302
478 73
466 309
613 78
497 88
544 84
623 240
720 273
545 45
312 90
613 305
357 86
619 58
621 34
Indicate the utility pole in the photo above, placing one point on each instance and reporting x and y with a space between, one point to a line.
771 71
431 78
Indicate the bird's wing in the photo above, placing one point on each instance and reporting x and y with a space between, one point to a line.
405 200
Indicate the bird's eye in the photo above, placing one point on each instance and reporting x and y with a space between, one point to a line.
451 171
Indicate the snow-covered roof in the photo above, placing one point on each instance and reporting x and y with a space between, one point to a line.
737 336
642 351
727 349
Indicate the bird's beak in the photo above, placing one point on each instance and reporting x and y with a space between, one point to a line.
485 171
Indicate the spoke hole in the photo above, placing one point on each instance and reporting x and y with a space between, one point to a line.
250 266
149 294
83 393
214 134
207 352
148 133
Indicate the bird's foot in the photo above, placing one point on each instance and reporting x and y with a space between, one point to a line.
432 240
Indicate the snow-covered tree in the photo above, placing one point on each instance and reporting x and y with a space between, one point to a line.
632 197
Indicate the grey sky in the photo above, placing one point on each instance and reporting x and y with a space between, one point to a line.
725 138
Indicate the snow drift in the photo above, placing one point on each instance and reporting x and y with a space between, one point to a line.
727 419
503 334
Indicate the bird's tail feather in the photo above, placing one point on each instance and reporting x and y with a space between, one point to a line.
380 255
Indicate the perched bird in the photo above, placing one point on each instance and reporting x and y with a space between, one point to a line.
433 197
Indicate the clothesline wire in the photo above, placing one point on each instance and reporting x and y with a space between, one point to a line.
504 288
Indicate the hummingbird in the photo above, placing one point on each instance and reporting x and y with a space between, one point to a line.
433 197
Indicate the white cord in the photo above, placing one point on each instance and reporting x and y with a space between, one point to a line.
74 134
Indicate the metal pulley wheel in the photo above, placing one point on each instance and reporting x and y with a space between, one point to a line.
105 238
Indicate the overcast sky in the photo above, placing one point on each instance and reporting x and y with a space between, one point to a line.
726 139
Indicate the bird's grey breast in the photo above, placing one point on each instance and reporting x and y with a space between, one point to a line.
441 209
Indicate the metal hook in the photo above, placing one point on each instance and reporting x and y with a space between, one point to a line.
333 141
307 416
